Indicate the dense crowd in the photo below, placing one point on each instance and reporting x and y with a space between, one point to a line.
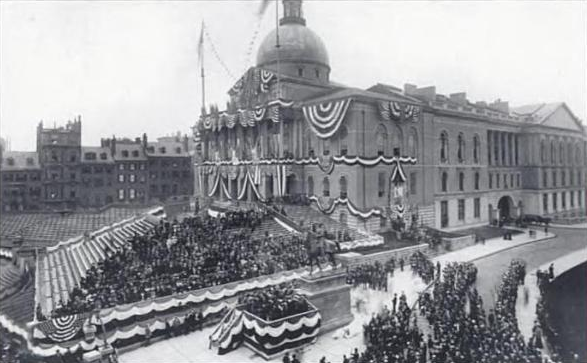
373 276
175 257
274 302
423 267
461 330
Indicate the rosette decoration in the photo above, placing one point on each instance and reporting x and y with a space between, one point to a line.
62 328
325 118
395 111
353 210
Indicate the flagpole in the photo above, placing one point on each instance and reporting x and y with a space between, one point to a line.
202 68
277 45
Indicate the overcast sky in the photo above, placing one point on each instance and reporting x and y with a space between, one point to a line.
131 67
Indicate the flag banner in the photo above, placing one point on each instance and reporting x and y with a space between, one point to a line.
395 111
63 328
325 118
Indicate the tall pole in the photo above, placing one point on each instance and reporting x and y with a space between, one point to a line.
201 55
277 45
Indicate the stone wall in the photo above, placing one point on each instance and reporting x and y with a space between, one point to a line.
351 259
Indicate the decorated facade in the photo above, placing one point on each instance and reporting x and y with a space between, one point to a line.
369 157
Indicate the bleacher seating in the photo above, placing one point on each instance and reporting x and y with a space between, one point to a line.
63 267
9 275
299 213
20 307
43 229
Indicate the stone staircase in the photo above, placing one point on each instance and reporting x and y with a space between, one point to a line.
427 216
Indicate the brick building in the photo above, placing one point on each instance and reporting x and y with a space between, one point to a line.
64 175
367 157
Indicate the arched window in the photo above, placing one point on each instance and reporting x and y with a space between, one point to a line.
343 134
476 148
578 154
561 152
461 181
310 186
477 177
397 143
569 152
342 184
413 143
381 139
444 184
542 151
552 152
444 147
326 187
461 148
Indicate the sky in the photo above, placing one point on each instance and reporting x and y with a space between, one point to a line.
129 67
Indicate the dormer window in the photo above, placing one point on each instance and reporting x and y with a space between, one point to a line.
151 149
178 150
90 156
162 150
10 161
103 156
125 153
300 72
135 153
30 161
317 73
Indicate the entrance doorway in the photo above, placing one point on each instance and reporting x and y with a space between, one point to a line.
444 214
504 205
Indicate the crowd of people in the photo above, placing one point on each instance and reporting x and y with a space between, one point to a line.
423 267
274 302
373 276
461 330
176 257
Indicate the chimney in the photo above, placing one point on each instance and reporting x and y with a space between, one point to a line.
185 143
145 141
500 105
113 145
460 98
410 89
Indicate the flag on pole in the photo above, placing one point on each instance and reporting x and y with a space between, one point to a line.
201 45
263 7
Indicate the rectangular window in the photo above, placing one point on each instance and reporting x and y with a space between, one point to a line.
413 183
545 203
444 214
505 181
131 194
120 166
381 185
518 180
545 179
497 181
563 179
512 180
554 202
132 166
132 178
554 178
121 178
490 181
572 198
477 208
461 209
120 194
564 200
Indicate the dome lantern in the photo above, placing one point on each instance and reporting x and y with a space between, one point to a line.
292 13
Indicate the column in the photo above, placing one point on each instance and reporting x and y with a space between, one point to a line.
498 144
516 150
506 139
489 147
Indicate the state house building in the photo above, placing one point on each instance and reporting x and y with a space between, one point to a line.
368 156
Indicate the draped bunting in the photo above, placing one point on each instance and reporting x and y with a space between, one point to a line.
63 328
215 185
325 118
244 117
325 163
398 175
353 210
135 329
394 111
265 79
280 174
268 338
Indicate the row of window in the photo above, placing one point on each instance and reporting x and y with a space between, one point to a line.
575 200
461 211
563 178
130 194
502 148
504 180
131 178
461 181
382 183
548 153
461 148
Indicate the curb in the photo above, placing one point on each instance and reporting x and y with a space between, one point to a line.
512 247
